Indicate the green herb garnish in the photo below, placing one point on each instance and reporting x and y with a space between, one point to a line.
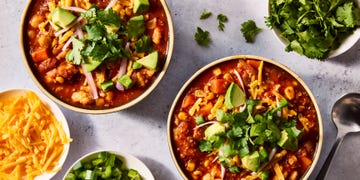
102 41
205 14
202 37
221 20
249 30
314 28
233 134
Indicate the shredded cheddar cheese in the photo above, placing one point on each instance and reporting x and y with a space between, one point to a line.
31 138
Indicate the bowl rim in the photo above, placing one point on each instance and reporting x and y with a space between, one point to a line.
59 115
350 40
235 57
147 92
144 171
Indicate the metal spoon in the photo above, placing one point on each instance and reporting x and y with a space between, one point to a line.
346 116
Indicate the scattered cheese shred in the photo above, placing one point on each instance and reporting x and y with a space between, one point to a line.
31 139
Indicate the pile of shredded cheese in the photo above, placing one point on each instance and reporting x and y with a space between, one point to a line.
31 139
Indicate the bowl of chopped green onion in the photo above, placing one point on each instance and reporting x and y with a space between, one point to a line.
315 29
108 164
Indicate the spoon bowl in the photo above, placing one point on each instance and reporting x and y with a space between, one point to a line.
346 116
346 113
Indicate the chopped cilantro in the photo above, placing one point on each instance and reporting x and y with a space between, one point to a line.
144 44
102 41
221 20
205 14
243 138
75 54
249 30
202 37
313 28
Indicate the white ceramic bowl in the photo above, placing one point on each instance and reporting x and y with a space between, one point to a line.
58 115
345 45
129 161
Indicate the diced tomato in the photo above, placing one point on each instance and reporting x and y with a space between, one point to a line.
305 162
253 63
206 108
219 86
188 101
40 55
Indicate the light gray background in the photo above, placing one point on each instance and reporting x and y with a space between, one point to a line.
141 130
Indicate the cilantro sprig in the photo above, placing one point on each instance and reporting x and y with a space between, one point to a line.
249 135
222 19
202 37
249 30
312 27
106 34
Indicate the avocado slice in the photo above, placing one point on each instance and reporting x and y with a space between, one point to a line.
213 130
150 61
252 161
141 6
91 65
234 96
289 139
62 17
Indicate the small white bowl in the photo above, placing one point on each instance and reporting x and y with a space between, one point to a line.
129 161
345 45
58 115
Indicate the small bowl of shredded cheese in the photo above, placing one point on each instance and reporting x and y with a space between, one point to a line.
35 136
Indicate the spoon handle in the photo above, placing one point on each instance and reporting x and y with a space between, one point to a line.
324 170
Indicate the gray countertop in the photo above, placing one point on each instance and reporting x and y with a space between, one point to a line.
141 129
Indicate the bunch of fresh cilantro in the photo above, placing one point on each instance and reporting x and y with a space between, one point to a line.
314 27
247 133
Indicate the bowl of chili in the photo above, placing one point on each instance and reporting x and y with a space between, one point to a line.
99 56
245 116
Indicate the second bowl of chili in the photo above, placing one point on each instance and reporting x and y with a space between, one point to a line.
245 116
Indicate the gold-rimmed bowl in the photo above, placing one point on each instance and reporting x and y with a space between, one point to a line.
198 98
32 35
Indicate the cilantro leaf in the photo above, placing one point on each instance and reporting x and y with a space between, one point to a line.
221 20
249 30
75 54
202 37
95 32
205 14
205 146
345 15
144 44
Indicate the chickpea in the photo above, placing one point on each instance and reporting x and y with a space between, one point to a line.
36 20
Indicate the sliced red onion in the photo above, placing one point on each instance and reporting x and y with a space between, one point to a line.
79 32
75 9
91 82
122 70
223 170
58 33
66 45
111 3
279 113
204 124
240 79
